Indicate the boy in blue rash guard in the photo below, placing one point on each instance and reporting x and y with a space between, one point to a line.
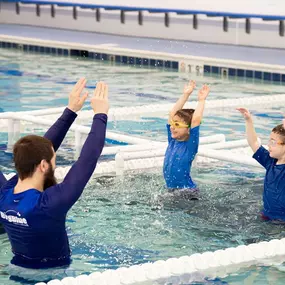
183 141
33 208
273 160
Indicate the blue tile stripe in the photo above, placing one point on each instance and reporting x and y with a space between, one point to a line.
36 49
244 73
146 62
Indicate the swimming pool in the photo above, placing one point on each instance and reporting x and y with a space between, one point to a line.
120 221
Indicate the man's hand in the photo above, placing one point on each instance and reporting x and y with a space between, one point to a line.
76 101
99 101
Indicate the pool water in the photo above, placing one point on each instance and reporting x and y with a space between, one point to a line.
125 221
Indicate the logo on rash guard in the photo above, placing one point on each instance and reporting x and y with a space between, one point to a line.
14 219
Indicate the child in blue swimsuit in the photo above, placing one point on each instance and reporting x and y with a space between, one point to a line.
183 141
273 160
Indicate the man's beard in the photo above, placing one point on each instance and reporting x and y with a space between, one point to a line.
50 179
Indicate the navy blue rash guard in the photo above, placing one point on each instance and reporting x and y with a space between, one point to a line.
34 220
2 182
274 185
2 179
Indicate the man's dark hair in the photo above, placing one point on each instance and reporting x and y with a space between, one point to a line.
28 152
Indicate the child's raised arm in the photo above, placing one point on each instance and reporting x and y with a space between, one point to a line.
250 130
198 114
188 89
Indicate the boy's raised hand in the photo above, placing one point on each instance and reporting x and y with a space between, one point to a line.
188 88
100 101
246 114
203 93
76 101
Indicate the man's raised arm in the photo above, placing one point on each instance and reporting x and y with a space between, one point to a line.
59 129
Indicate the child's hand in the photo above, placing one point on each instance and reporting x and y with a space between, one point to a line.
284 124
245 113
203 93
188 89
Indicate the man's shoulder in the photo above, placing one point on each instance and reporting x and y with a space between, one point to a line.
5 190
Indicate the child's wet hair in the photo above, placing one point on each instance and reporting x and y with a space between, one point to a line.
186 115
280 131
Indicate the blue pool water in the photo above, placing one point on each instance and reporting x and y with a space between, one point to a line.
120 221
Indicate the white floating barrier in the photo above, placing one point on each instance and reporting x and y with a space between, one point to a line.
224 145
14 130
54 282
163 109
205 151
229 156
187 269
157 152
145 110
207 140
130 161
69 281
